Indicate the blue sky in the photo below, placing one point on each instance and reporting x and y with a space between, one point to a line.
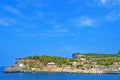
58 27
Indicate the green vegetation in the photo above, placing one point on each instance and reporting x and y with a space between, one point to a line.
101 59
46 59
88 60
79 66
31 65
106 61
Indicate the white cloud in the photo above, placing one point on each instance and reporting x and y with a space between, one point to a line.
108 3
85 22
103 1
96 21
13 10
113 16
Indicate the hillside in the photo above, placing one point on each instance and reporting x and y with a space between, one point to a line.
88 61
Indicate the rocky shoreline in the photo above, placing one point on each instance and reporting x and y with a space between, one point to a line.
15 70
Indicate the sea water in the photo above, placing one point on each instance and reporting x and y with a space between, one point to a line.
56 76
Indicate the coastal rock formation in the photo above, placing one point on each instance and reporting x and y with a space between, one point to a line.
13 69
79 64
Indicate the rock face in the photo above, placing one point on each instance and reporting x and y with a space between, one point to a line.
52 69
13 69
23 65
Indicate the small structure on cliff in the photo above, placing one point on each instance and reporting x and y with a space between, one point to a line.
51 64
77 55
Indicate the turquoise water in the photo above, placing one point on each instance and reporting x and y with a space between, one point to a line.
56 76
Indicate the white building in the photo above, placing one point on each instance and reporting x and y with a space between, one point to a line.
51 64
21 65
